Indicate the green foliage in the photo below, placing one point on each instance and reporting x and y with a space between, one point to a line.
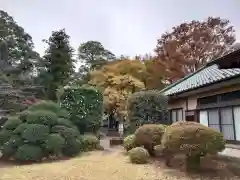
65 122
28 152
94 54
59 63
54 144
4 136
129 142
19 43
23 115
42 117
147 107
10 147
149 135
69 133
12 123
39 134
35 133
72 147
85 105
49 106
138 155
90 142
193 140
20 129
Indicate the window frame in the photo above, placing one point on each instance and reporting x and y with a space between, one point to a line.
176 110
220 121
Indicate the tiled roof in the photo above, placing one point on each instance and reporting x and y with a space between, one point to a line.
204 76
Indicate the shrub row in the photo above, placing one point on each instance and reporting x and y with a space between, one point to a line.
191 139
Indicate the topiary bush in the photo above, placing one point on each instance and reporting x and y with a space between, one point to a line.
38 134
35 133
129 142
11 123
138 155
149 135
28 152
147 107
42 117
49 106
90 142
85 105
54 144
192 139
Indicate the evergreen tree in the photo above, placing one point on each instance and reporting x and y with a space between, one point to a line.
59 63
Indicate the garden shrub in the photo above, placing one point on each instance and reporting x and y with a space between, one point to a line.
42 117
129 142
149 135
49 106
138 155
29 152
19 130
193 140
72 147
147 107
158 150
10 147
85 105
90 142
4 136
12 123
37 134
54 144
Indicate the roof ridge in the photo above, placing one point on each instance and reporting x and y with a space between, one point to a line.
183 79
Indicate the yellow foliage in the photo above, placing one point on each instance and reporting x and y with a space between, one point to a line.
119 79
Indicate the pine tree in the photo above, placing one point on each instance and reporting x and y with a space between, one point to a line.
59 63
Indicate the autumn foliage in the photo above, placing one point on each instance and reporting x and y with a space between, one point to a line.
119 79
190 45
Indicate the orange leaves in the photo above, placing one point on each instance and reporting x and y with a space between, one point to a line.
119 79
190 45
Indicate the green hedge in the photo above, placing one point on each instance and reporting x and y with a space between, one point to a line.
85 105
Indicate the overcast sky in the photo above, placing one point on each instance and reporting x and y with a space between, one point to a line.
126 27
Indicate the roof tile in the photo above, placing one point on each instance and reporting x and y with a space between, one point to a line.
207 75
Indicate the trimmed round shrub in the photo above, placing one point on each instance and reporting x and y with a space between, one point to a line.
138 155
29 152
12 123
42 117
65 122
129 142
57 129
158 150
4 136
69 133
35 133
147 107
72 147
89 142
10 147
193 140
20 129
86 107
23 115
49 106
54 144
149 135
41 134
